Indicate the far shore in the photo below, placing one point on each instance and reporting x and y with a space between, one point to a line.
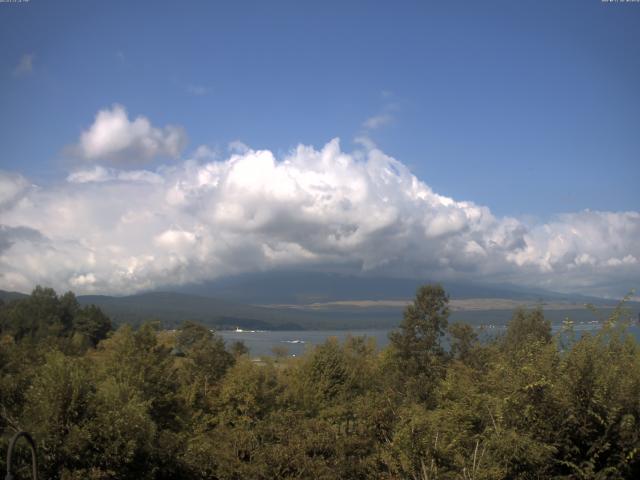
467 304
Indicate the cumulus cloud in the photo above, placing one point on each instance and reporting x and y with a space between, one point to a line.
114 139
102 174
25 65
11 235
110 230
204 152
12 185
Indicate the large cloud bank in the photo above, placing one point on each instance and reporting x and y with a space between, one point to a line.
109 230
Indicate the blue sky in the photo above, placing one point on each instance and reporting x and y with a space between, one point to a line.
524 116
526 107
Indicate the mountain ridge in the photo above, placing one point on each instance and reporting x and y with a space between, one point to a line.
321 301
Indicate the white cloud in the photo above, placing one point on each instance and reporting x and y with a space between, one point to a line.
102 174
204 152
377 121
115 231
238 147
96 174
113 138
25 65
12 185
82 281
365 141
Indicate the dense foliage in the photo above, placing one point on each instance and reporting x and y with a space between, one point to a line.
153 404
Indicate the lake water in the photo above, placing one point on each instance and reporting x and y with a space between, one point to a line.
296 342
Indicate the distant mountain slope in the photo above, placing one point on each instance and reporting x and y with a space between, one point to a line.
302 300
8 296
173 308
294 287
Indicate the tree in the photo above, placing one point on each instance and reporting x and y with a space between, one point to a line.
92 323
56 320
137 360
39 316
57 405
464 341
238 349
206 350
527 327
205 362
416 346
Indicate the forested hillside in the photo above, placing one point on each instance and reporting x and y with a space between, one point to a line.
152 404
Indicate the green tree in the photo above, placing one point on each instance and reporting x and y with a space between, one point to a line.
238 349
135 358
91 323
46 318
464 342
416 346
527 327
58 405
205 363
597 422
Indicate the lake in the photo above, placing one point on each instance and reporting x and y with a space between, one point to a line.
297 341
